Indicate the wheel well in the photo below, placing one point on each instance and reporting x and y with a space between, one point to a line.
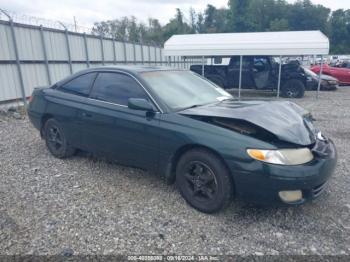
293 79
171 170
44 118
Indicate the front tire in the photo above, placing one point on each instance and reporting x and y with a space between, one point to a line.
204 181
56 140
293 88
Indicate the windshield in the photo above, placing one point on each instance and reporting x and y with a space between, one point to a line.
183 89
309 72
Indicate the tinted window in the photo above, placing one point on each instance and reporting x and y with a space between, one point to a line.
80 85
116 88
261 64
236 60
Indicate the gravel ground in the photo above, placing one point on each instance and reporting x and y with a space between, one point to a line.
89 206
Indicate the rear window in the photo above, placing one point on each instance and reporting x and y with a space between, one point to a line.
80 85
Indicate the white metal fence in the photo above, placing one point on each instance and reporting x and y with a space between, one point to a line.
33 56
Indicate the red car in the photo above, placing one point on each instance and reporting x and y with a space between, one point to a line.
341 73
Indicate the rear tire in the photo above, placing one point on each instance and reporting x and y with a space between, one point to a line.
293 88
56 140
204 181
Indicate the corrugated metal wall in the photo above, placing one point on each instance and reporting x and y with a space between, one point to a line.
46 55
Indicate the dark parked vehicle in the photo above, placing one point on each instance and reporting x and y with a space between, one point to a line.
258 72
179 125
327 82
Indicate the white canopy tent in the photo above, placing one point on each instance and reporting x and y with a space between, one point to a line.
289 43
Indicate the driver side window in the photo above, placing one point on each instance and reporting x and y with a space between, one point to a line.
260 64
116 88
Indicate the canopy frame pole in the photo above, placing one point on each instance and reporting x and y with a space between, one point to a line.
240 76
319 78
279 77
203 66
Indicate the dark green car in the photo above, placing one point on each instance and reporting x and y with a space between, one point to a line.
187 129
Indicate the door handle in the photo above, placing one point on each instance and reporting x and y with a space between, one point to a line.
85 114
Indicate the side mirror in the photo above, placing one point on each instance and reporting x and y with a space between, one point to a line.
140 104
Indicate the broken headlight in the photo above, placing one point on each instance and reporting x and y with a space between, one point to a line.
282 156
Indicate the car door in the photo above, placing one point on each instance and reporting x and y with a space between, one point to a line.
247 76
110 127
261 72
65 102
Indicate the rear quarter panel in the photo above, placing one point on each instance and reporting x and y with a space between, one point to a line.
65 109
37 107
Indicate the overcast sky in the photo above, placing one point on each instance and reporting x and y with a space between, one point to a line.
89 11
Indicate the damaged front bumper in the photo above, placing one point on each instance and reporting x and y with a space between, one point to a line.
261 183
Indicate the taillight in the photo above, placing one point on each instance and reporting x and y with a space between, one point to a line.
30 99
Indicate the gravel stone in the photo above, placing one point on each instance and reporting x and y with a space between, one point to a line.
16 115
67 252
84 205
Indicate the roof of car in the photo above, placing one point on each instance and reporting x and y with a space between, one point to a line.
133 68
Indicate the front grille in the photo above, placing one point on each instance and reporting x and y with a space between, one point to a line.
316 191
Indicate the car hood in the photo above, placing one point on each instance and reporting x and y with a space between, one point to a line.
286 120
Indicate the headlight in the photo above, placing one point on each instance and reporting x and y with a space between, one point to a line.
283 156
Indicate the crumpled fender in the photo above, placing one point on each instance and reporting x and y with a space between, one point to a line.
286 120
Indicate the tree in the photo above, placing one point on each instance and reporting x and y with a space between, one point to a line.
238 16
200 23
263 12
176 26
340 31
279 25
192 15
209 19
154 31
112 28
133 30
303 15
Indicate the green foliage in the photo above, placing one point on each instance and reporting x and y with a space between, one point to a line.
239 16
340 31
279 25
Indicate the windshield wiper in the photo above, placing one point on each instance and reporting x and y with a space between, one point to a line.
189 107
227 98
192 106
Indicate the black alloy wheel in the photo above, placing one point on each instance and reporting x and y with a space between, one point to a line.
56 140
204 181
201 181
